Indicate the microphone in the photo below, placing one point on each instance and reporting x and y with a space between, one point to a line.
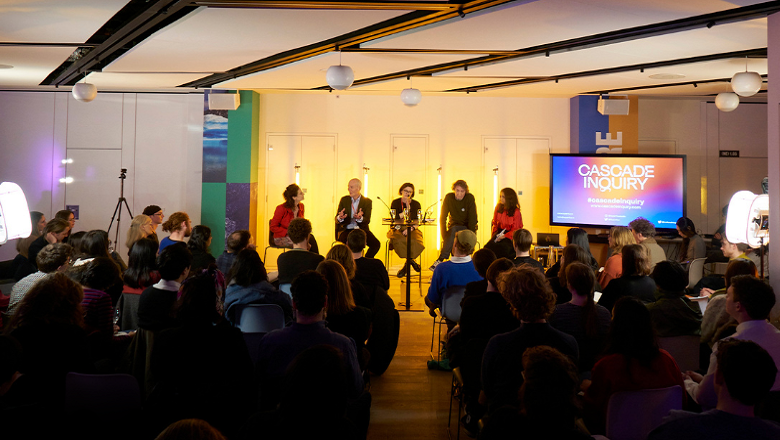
425 213
392 220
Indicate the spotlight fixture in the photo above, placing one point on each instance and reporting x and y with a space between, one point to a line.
340 77
726 101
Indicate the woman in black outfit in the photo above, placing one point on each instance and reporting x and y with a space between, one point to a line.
635 280
397 234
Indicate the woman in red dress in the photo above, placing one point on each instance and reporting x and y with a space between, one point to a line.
290 209
506 220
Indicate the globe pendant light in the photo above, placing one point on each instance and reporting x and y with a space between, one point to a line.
411 96
726 102
340 77
84 92
746 83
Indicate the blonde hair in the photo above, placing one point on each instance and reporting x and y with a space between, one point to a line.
621 236
136 232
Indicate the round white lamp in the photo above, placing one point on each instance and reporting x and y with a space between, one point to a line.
411 97
340 77
726 101
84 92
746 83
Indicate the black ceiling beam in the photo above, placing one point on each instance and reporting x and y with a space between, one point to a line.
135 22
340 5
619 69
660 86
430 51
31 44
591 41
392 26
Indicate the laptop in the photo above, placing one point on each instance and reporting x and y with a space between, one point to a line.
545 239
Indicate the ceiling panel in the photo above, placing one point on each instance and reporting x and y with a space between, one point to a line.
135 82
54 21
30 65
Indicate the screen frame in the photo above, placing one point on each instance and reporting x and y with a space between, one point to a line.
640 156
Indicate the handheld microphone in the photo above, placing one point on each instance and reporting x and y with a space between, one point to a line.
389 211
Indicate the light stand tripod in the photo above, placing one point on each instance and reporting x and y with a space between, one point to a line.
118 209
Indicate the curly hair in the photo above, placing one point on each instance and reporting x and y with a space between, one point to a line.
54 299
199 238
549 391
174 221
52 256
341 253
461 183
641 225
288 194
528 293
299 229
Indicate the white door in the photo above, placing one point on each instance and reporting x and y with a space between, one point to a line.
409 158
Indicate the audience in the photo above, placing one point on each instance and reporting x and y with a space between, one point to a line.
370 272
633 361
634 280
248 284
532 301
522 241
572 253
744 376
673 314
140 227
95 277
38 222
458 271
619 236
299 259
75 240
141 273
716 323
644 234
54 232
340 252
95 245
199 243
156 304
236 242
581 317
50 259
579 237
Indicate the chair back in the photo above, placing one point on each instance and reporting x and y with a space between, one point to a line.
103 394
271 237
631 415
450 302
684 349
695 272
259 318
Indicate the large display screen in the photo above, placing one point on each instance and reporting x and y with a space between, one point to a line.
611 190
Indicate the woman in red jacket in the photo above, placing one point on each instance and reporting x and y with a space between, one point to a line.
506 220
290 209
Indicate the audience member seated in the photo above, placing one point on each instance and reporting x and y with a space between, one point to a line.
458 271
634 281
284 213
745 374
95 276
52 258
572 253
54 232
141 273
236 242
38 222
248 284
299 259
140 227
579 237
619 236
482 317
156 305
716 323
315 384
693 245
202 365
749 301
633 361
548 400
710 283
75 240
369 272
644 234
190 429
199 243
48 325
343 316
673 314
280 347
482 259
340 252
532 301
179 226
155 213
70 217
582 318
95 245
522 241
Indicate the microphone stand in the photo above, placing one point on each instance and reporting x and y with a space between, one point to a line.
389 211
428 208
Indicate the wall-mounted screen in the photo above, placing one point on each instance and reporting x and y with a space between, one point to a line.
611 190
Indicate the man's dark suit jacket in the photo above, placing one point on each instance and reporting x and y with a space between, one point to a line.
346 204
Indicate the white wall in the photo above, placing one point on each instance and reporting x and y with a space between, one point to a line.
157 137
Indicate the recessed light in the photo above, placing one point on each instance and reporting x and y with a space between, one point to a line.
667 76
6 66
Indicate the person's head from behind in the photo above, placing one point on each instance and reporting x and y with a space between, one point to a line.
482 259
620 236
248 269
58 227
522 240
748 298
572 253
642 229
198 302
631 332
685 227
75 240
739 266
141 264
54 257
178 222
635 262
495 270
550 386
580 279
299 230
528 293
315 384
238 241
340 300
461 188
579 237
356 241
341 253
309 293
54 299
189 429
745 369
464 243
95 243
200 239
670 277
174 262
99 273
